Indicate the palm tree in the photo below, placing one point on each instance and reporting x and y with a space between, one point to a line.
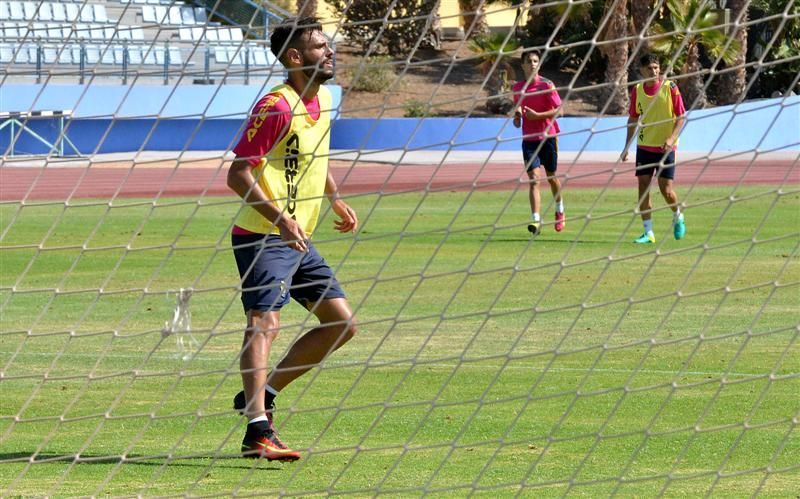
732 84
494 52
534 20
641 17
616 54
690 26
544 17
306 8
473 18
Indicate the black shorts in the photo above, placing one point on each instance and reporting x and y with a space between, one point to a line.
648 162
540 152
272 272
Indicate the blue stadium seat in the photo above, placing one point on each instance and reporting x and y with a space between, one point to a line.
73 12
45 13
187 15
50 55
135 55
100 14
29 10
87 13
92 54
59 12
221 55
16 11
149 14
175 15
65 56
6 53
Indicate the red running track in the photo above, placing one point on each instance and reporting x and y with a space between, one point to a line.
163 179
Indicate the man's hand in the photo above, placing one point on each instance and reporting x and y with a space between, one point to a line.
530 114
624 156
669 145
348 221
517 120
293 234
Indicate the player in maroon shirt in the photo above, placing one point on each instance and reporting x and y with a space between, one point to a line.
537 105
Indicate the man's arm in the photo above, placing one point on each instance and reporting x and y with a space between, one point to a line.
680 119
242 182
555 106
676 131
630 132
544 115
633 120
348 221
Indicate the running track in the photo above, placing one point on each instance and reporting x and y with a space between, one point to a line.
207 177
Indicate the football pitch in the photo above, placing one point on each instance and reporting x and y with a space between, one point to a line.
486 363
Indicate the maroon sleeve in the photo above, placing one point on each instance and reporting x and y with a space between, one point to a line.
517 93
632 110
677 100
266 127
555 99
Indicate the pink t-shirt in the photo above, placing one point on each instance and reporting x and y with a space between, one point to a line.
541 96
650 89
268 124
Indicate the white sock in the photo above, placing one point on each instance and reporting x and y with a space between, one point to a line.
259 418
536 217
560 206
648 225
677 214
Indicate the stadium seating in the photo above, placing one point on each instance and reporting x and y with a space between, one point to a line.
102 37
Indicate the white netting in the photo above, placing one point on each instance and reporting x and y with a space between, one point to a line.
487 361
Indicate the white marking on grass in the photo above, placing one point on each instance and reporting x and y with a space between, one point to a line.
404 363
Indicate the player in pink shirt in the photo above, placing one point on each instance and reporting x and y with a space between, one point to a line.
537 105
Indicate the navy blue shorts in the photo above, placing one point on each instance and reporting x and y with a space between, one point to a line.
272 272
535 156
648 162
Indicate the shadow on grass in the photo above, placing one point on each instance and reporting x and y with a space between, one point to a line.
543 239
22 457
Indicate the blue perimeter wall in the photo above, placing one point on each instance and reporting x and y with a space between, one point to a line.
764 125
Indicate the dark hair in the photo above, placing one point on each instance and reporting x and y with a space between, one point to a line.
649 59
527 53
289 32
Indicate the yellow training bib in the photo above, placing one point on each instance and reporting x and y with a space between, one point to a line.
294 172
656 115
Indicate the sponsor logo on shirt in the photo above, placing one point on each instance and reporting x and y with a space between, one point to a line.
291 167
259 118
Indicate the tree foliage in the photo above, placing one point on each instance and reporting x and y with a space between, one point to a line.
494 52
383 26
778 41
690 29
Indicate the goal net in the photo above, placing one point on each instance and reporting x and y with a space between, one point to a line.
488 360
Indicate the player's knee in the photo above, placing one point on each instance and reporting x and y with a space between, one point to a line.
262 324
350 330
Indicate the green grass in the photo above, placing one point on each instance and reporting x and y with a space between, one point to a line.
485 363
